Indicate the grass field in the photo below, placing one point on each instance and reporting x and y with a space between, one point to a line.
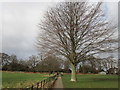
91 81
20 80
23 80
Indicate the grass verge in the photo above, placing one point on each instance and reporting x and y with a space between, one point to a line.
21 80
91 81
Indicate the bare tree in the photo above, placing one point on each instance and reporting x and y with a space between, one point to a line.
13 59
33 61
75 30
49 63
4 59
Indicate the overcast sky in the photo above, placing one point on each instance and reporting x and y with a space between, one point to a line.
19 25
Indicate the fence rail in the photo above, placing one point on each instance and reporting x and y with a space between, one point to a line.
46 83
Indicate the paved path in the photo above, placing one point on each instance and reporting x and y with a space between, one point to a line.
58 84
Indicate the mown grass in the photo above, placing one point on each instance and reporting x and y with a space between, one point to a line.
91 81
21 80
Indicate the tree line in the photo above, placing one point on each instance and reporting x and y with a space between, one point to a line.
55 64
33 64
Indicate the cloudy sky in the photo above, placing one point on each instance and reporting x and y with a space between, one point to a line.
19 24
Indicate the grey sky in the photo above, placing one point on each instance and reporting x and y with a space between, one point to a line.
19 25
19 22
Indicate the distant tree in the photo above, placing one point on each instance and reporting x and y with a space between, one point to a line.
87 69
22 65
7 67
76 30
11 64
23 62
49 63
14 62
13 59
32 62
5 58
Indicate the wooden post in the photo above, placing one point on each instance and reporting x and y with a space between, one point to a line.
37 85
32 87
41 84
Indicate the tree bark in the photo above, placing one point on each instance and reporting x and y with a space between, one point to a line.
73 74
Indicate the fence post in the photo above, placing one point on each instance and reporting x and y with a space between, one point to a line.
37 85
46 83
32 87
41 84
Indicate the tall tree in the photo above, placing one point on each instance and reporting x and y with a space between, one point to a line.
75 30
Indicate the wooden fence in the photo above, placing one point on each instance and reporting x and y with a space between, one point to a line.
46 83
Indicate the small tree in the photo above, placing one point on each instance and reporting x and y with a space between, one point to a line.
75 30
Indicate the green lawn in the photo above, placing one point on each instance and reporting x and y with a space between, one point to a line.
20 80
91 81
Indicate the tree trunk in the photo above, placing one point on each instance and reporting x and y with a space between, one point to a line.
73 74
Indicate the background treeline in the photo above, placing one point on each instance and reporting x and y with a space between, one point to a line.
33 64
51 63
